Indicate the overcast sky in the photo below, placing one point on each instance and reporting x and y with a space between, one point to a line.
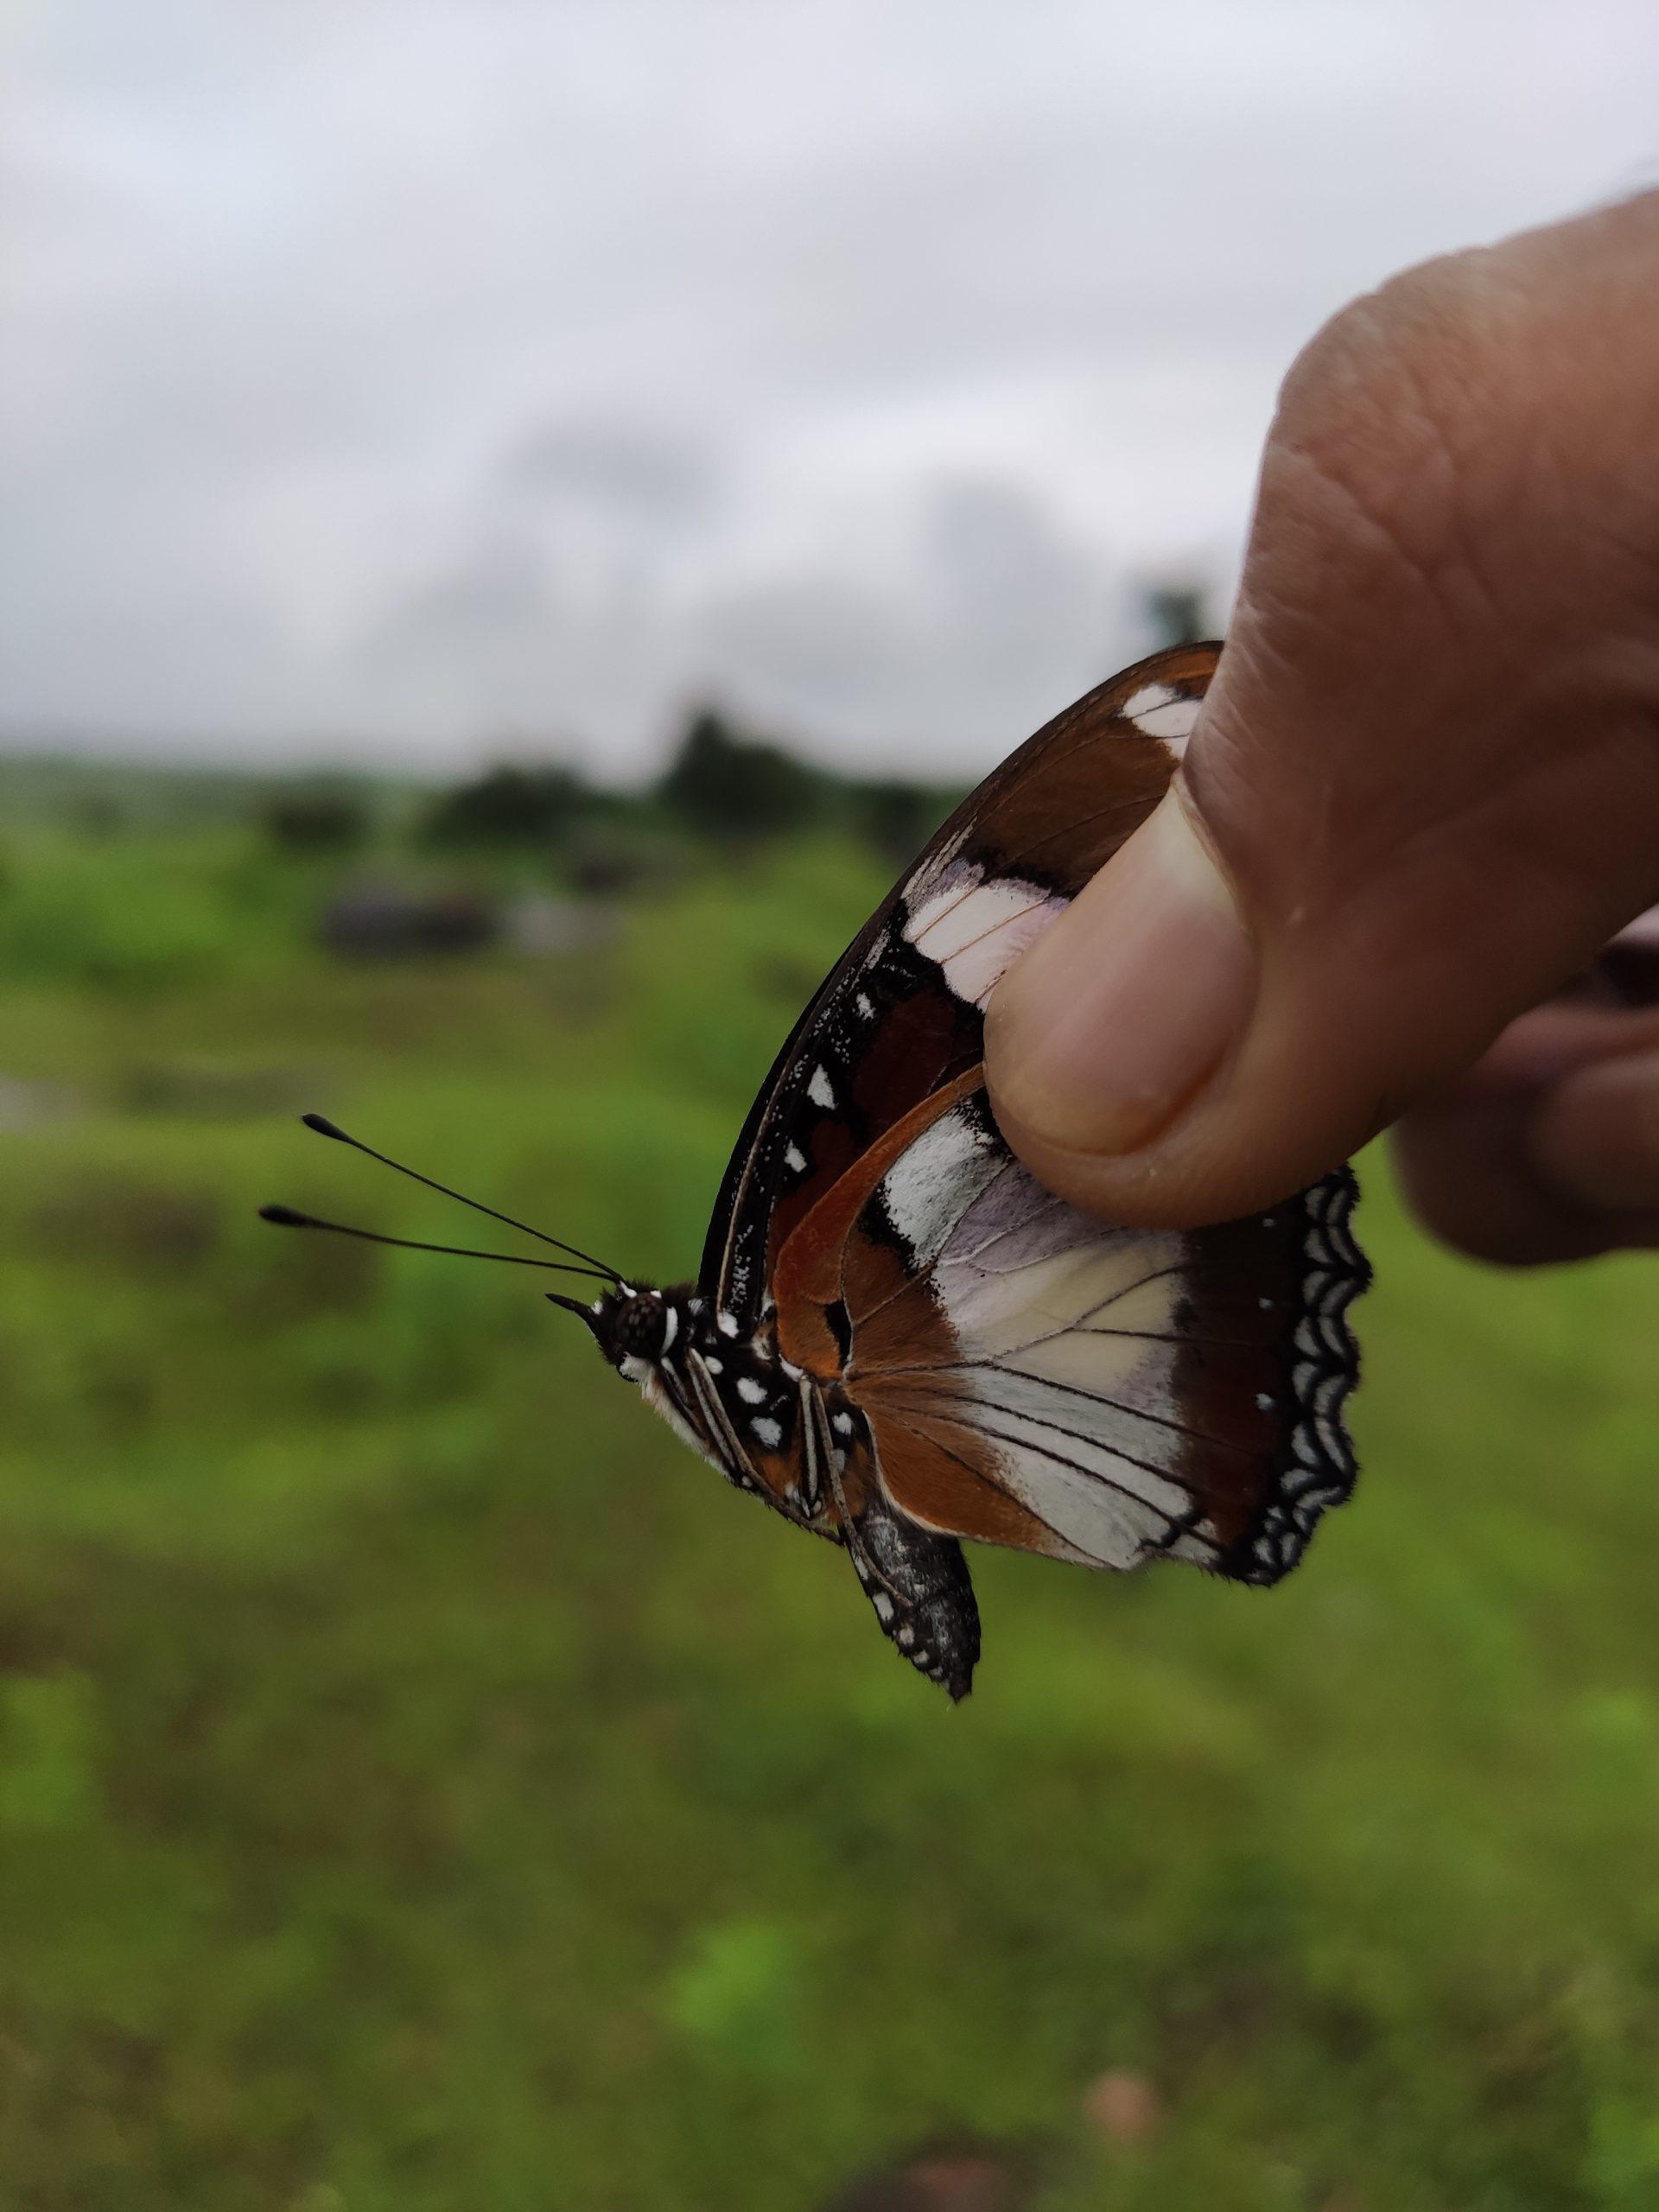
421 380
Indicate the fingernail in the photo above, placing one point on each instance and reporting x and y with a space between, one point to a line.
1597 1135
1116 1015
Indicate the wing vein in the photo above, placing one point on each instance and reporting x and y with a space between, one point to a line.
1076 1390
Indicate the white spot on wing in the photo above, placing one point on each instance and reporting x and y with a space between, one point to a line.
795 1159
976 929
1063 1326
1156 711
821 1090
750 1392
865 1004
769 1431
929 1188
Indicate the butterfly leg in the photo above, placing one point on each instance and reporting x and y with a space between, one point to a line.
919 1586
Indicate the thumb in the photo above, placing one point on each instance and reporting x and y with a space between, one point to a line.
1424 788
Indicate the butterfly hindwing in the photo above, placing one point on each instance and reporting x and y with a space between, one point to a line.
1034 1378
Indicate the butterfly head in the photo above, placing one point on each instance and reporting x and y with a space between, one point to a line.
663 1341
638 1328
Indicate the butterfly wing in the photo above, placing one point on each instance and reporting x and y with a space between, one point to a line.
1032 1376
901 1014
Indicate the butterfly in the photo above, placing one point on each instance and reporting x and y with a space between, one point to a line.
900 1340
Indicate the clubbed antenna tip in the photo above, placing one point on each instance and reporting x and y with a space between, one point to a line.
324 1127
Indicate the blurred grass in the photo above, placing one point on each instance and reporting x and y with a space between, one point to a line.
422 1784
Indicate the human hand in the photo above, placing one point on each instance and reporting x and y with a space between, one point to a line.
1422 796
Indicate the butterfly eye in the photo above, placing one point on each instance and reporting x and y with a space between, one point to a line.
643 1328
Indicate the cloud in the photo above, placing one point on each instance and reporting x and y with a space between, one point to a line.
992 621
381 372
628 469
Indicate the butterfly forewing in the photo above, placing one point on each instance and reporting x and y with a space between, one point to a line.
901 1013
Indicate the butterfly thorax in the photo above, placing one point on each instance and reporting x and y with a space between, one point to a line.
730 1394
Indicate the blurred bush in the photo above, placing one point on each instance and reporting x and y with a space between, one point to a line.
317 820
509 806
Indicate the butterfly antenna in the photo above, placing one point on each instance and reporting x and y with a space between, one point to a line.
286 1217
324 1127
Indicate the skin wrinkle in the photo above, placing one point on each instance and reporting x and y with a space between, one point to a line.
1368 518
1463 323
1376 507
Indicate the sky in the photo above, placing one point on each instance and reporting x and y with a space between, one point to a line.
420 381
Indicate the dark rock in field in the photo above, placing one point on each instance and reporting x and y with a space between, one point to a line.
386 923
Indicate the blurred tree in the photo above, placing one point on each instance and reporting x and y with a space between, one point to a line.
508 806
1177 612
723 786
315 819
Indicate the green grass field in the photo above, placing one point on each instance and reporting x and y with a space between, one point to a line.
425 1788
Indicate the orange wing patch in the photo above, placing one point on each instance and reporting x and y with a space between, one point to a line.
939 1471
810 1272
